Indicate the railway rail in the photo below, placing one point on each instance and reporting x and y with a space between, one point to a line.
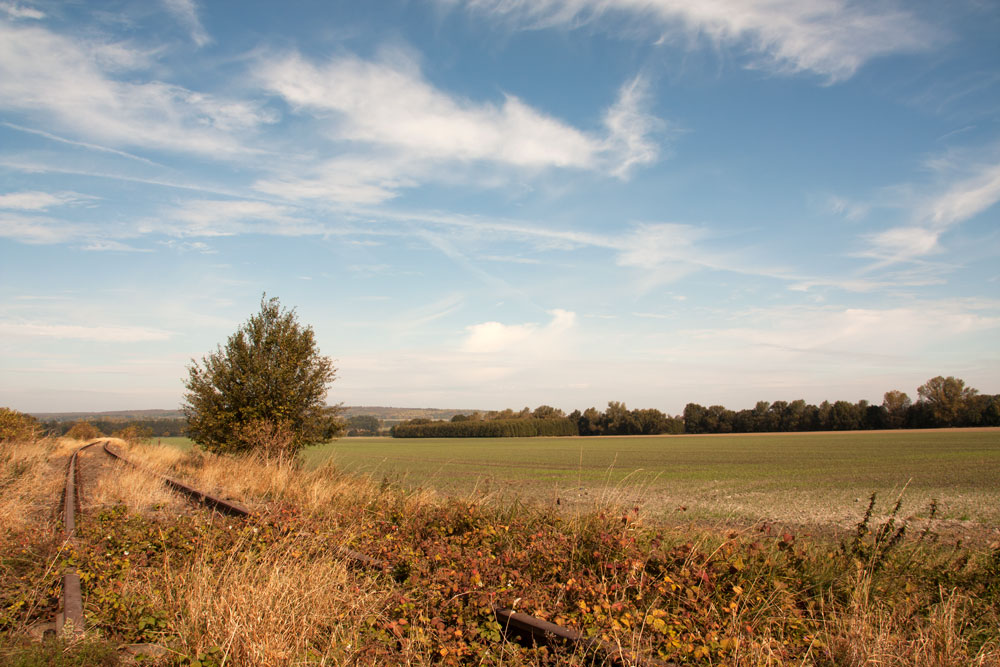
518 627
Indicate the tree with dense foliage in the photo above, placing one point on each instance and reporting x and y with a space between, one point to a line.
267 385
364 425
17 427
547 412
896 403
947 398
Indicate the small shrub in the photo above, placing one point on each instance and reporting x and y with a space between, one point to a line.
134 435
82 430
17 427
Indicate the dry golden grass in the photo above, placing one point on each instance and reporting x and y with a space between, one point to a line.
257 481
136 489
268 610
872 632
30 481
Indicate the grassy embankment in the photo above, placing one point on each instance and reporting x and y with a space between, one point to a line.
271 590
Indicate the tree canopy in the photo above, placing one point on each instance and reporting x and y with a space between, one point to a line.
265 390
947 398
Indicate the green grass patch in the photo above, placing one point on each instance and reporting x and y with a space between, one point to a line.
180 442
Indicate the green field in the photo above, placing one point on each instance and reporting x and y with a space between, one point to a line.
811 478
802 477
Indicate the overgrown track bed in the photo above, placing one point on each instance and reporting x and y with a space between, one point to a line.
86 466
519 627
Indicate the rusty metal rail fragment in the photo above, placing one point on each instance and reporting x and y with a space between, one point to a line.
225 506
528 630
72 601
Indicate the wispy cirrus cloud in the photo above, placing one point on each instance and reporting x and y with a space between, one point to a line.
832 38
36 229
186 12
828 331
18 11
105 245
216 217
77 85
660 252
974 188
34 200
80 144
394 129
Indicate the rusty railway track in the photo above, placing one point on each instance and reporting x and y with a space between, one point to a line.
72 601
517 627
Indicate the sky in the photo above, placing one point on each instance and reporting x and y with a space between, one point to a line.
502 203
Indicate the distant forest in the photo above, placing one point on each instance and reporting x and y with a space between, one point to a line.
941 402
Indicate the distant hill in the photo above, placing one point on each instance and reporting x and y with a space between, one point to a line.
123 415
386 414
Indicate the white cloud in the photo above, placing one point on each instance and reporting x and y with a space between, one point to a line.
187 13
493 337
16 11
631 127
399 130
967 198
34 200
70 81
215 217
105 245
38 229
190 246
89 333
902 243
832 38
389 103
974 190
347 180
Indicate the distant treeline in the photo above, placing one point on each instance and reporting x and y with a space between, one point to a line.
492 428
942 402
544 421
154 428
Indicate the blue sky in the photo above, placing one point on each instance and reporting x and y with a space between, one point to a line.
500 203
